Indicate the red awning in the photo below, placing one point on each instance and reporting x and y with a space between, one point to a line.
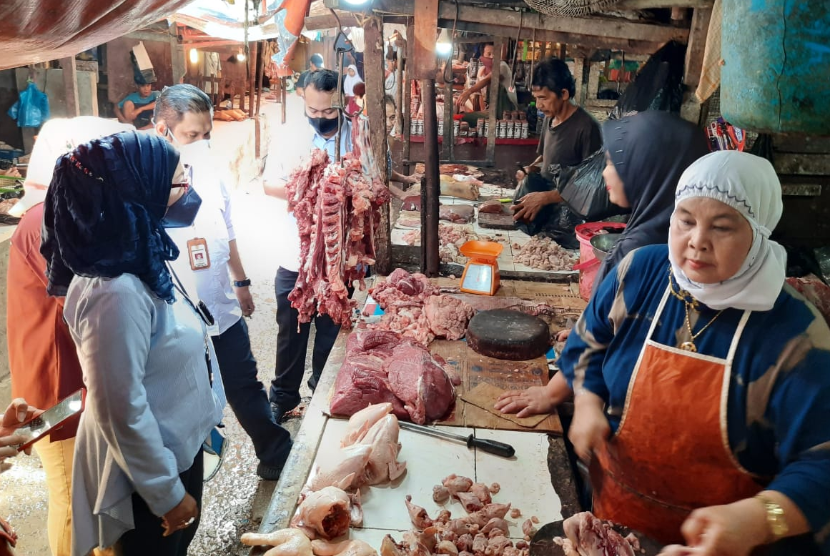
35 31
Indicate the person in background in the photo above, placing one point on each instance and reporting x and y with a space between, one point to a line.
570 135
390 82
43 364
292 337
153 395
357 104
640 176
137 107
184 116
315 63
352 79
505 101
701 379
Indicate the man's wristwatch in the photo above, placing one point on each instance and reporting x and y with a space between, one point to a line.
775 518
242 283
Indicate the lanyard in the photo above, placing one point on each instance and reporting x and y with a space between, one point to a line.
204 315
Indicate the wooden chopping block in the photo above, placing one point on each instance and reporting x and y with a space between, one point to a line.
508 334
497 221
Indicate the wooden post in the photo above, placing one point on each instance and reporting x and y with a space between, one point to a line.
70 84
177 56
426 27
373 68
448 137
399 91
494 97
252 64
691 109
543 51
563 51
408 115
430 184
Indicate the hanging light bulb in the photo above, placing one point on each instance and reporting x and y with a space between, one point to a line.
443 45
240 56
357 2
194 56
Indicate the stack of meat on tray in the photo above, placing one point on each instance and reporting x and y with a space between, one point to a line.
337 207
381 366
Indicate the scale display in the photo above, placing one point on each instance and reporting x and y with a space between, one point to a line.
479 278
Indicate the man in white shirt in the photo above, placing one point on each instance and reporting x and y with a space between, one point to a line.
292 338
209 258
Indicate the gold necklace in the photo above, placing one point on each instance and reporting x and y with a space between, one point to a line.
693 304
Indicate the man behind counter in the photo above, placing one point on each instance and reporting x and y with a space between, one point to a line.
569 136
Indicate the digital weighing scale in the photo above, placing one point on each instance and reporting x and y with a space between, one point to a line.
481 274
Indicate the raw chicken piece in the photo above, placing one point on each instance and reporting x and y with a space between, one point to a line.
389 547
356 511
456 484
443 517
286 542
511 551
482 492
351 547
496 523
420 543
590 536
480 543
515 513
325 513
528 529
496 532
464 542
496 546
479 519
383 464
362 421
345 472
440 494
446 547
470 501
495 488
534 519
417 514
495 510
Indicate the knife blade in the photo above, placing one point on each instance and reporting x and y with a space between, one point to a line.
489 446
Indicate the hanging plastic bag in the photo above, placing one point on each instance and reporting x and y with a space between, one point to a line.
583 189
31 109
657 86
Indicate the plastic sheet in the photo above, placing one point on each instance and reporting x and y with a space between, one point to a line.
658 85
31 109
583 189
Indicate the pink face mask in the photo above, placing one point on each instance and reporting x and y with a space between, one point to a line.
487 63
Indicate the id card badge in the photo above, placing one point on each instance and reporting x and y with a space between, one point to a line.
198 252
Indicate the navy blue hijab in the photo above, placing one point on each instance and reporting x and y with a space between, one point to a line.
103 211
650 151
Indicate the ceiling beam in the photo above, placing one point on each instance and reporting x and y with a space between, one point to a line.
593 26
654 4
586 41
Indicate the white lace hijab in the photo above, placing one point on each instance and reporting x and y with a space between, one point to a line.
748 184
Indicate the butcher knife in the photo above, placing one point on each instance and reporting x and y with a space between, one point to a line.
490 446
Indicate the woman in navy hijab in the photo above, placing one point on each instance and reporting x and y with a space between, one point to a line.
150 402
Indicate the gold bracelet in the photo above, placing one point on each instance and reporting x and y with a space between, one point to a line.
776 520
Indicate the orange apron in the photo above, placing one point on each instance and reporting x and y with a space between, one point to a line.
671 451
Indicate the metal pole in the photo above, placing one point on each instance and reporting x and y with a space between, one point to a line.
494 98
408 115
431 185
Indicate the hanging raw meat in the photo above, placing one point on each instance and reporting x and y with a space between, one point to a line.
337 207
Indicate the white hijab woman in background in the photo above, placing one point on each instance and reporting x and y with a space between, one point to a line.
702 381
352 78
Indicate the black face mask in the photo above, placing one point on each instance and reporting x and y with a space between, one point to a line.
182 213
323 126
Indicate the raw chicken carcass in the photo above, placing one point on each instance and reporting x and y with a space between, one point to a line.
383 464
353 547
362 421
285 542
346 471
325 514
417 379
388 547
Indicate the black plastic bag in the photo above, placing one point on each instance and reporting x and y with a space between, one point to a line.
658 85
583 189
555 221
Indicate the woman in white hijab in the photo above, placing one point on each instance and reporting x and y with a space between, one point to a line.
702 381
352 79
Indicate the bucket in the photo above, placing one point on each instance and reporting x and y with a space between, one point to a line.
588 264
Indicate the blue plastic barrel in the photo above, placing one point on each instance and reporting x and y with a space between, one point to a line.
776 72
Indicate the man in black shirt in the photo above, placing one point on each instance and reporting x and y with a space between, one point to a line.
315 63
569 136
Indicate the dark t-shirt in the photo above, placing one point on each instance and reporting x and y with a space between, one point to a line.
569 143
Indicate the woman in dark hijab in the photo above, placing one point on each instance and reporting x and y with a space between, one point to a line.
150 403
646 153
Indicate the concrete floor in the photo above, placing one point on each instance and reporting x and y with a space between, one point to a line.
235 500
